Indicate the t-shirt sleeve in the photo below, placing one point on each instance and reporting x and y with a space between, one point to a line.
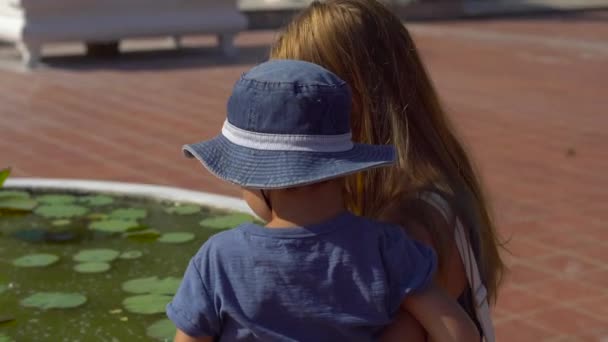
192 310
410 266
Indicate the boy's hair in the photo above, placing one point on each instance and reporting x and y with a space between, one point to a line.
394 102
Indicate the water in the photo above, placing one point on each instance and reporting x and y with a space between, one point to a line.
102 317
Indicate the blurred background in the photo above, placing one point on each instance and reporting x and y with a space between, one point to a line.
92 95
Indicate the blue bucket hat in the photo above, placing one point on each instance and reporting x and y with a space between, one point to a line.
288 125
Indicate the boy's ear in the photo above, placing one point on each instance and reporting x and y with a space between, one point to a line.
256 202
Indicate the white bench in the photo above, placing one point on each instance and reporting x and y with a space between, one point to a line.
32 23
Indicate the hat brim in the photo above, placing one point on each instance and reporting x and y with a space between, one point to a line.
263 169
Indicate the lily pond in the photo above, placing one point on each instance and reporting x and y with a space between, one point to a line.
83 267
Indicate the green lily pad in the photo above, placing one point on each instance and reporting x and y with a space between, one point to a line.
6 338
60 211
36 260
188 209
96 255
54 300
134 254
61 223
177 237
226 221
162 330
13 194
96 201
4 173
146 304
114 226
152 285
92 267
129 214
17 203
56 199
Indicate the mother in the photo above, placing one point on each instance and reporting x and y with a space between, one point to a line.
433 191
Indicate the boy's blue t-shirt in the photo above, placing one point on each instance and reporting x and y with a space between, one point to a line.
342 280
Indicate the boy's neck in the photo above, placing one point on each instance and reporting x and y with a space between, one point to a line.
306 206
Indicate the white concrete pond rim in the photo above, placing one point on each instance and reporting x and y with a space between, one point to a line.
148 191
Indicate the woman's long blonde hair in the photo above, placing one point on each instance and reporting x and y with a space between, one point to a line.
394 102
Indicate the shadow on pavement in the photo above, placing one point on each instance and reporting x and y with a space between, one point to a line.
166 59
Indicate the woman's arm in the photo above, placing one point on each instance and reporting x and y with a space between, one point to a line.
181 336
451 276
440 316
404 328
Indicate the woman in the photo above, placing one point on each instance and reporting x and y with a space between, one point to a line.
433 191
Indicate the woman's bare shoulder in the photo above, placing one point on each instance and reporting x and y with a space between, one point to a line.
428 223
415 211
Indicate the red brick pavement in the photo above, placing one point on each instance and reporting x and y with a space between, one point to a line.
528 97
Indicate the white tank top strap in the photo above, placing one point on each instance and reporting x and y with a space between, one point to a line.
438 202
480 294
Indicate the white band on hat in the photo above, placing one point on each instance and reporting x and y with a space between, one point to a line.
287 142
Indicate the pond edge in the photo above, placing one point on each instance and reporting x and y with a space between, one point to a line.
154 192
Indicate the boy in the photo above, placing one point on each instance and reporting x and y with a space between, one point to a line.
314 272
